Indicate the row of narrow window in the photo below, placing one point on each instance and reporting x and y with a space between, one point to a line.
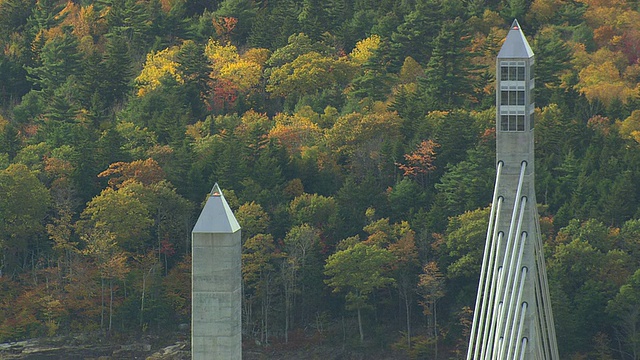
512 72
513 122
512 97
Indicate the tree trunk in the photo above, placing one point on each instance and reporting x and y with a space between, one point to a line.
266 316
287 301
435 328
144 283
110 303
101 303
408 312
287 310
360 326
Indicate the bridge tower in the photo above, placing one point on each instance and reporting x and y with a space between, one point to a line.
512 315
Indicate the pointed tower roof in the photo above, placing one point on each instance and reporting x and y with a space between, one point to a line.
216 217
515 45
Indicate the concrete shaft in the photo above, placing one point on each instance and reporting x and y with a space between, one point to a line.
216 328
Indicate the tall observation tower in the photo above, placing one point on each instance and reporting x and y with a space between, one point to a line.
512 317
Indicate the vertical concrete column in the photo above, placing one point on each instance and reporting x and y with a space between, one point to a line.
216 332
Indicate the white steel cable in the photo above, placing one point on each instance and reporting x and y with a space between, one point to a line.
524 348
512 224
483 271
523 315
513 307
495 273
549 323
513 339
518 208
496 314
510 243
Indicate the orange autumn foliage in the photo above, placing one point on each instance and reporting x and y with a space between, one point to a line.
144 171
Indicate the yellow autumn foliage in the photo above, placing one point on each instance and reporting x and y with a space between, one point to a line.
295 132
244 74
227 66
604 83
630 127
257 55
544 10
220 55
3 123
158 65
364 49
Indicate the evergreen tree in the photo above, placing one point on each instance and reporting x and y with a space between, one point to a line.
9 141
129 19
244 11
361 25
619 203
63 105
197 7
45 15
447 81
468 184
59 59
338 12
374 82
165 111
117 63
167 27
415 35
312 19
14 15
553 57
282 12
13 81
91 78
193 68
514 9
262 33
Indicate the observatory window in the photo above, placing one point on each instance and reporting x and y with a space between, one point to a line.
531 123
512 97
531 72
512 71
511 122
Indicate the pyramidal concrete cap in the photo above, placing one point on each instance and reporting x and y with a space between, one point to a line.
515 45
216 217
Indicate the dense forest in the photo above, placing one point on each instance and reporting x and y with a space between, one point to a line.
355 142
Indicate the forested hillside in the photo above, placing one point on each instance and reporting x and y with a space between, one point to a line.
355 141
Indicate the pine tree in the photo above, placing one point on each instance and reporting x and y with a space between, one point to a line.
117 63
414 37
244 11
374 82
514 9
263 33
129 19
312 19
338 12
45 15
13 81
553 57
59 59
193 69
14 15
447 84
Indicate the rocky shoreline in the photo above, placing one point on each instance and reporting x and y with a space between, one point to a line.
72 348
